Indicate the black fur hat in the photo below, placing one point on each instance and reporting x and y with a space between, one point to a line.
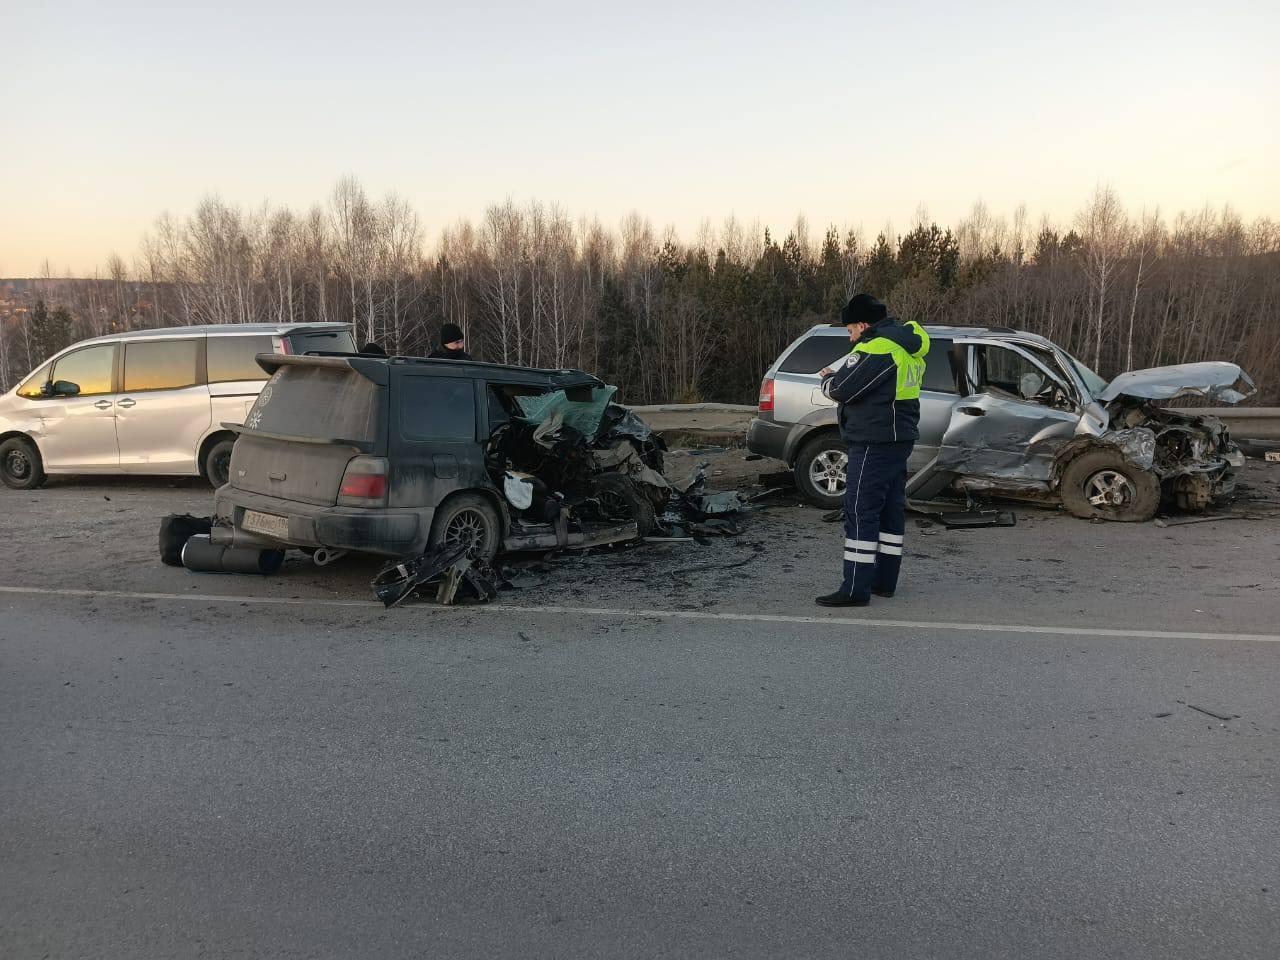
863 308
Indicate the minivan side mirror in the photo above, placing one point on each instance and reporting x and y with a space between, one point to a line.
60 388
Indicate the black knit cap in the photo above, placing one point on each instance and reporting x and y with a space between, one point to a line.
863 308
450 333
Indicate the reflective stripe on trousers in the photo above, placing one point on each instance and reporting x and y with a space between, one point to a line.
875 517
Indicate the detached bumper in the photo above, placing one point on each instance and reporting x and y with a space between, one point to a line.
389 532
767 438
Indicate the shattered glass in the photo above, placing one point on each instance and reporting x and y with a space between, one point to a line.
583 415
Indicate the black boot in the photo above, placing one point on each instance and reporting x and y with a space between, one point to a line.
841 599
882 593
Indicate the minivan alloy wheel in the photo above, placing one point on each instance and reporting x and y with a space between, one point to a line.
827 471
221 471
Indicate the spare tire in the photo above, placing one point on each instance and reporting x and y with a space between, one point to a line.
1102 483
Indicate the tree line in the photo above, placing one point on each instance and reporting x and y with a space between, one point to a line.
672 319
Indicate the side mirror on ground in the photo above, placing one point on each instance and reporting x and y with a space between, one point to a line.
61 388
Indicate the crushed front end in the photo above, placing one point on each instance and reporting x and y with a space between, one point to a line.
1193 455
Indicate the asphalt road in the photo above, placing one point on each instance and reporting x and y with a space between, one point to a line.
236 767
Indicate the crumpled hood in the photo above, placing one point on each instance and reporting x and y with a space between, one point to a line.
1213 380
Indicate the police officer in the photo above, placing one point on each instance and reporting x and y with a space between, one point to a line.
878 388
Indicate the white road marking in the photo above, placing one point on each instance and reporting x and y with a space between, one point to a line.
692 615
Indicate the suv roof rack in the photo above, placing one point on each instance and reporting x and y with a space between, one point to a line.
972 326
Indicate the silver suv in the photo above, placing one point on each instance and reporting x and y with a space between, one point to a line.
1013 414
146 402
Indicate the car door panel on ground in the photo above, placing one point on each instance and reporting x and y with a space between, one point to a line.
79 432
163 408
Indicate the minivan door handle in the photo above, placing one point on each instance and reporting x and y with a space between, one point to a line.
103 404
126 403
972 411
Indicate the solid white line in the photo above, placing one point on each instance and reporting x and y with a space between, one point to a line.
189 597
698 615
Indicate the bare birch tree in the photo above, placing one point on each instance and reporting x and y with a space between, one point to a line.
1105 231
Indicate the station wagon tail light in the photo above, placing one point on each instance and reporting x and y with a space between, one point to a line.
364 484
766 395
284 346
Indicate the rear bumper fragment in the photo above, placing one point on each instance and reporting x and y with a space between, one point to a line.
767 438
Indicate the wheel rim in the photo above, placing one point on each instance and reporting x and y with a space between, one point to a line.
614 506
16 465
1109 489
827 472
221 468
469 528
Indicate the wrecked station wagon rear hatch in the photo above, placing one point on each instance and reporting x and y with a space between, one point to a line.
312 417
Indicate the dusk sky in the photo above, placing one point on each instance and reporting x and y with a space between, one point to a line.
851 113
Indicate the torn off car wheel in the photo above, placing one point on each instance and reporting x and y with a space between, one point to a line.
1102 483
613 498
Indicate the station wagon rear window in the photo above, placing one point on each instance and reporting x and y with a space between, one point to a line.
321 341
321 403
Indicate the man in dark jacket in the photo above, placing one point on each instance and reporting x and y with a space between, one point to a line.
452 344
878 388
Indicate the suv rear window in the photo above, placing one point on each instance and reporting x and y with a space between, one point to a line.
321 341
437 408
232 358
323 403
815 353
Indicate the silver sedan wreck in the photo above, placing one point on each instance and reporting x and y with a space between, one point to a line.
1013 415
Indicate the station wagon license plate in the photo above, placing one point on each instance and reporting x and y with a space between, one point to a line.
267 523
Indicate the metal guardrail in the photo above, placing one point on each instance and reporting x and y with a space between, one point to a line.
1245 423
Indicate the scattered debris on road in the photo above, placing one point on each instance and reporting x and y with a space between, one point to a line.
201 555
447 568
175 530
1213 713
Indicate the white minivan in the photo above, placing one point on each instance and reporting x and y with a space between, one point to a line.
147 401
